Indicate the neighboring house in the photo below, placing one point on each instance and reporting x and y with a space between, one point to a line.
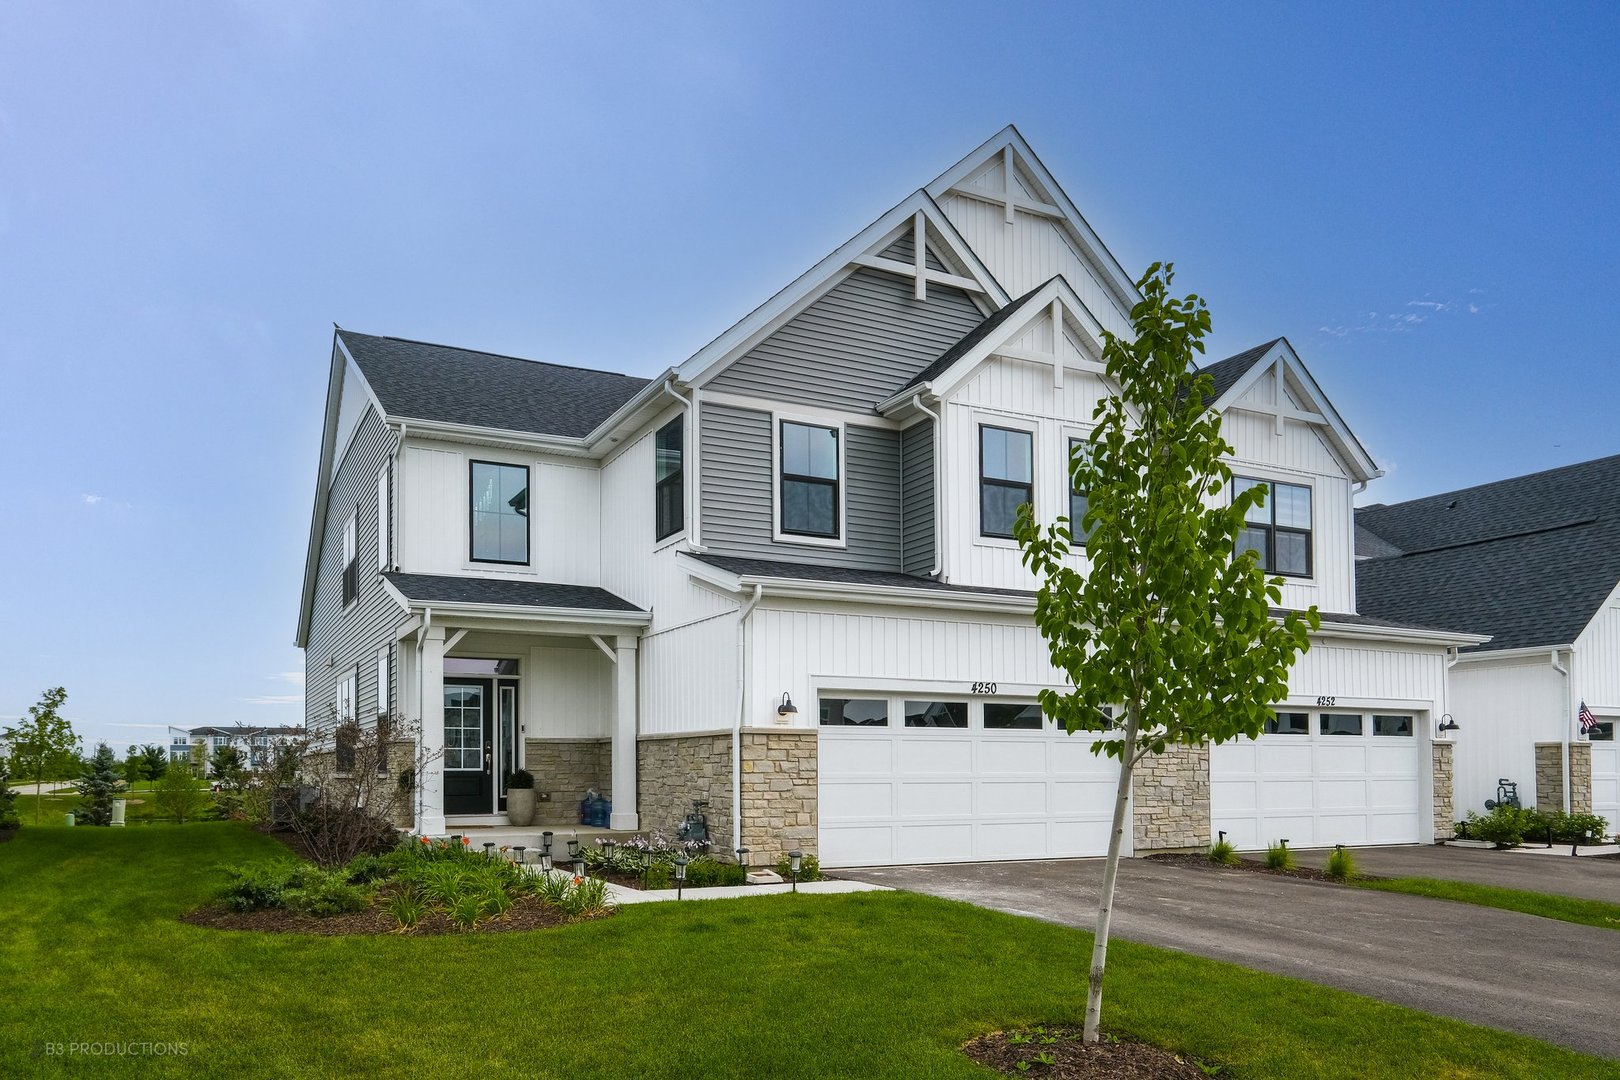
780 576
1535 563
256 744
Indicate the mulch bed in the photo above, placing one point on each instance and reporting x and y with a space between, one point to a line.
1120 1059
527 914
1204 862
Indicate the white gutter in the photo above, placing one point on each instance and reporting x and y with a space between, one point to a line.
1569 720
743 612
1534 652
692 449
939 489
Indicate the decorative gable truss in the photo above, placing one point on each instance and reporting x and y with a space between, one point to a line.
1278 387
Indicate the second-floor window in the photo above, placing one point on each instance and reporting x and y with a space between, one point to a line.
1278 531
669 488
809 493
351 560
1079 502
500 513
1006 478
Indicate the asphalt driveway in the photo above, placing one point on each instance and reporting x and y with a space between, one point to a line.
1559 874
1550 980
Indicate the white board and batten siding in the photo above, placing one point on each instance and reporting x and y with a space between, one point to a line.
434 489
1504 706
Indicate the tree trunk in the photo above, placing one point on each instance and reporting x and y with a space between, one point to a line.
1105 903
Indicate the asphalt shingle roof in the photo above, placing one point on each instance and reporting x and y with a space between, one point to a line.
1528 560
1227 372
447 589
418 381
972 338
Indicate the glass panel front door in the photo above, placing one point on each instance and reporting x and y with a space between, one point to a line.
468 749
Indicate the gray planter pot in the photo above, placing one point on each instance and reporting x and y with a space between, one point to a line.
520 806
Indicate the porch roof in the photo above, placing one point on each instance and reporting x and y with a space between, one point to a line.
502 593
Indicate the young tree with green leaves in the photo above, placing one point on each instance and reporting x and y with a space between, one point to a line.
155 761
1166 622
134 765
97 787
41 743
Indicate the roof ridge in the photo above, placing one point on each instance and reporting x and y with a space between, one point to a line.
1380 507
1515 535
498 356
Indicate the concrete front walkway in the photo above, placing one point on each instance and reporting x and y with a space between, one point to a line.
1549 980
1561 875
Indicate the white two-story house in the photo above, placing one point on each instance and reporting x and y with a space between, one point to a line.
780 576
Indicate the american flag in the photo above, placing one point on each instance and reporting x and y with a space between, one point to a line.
1588 721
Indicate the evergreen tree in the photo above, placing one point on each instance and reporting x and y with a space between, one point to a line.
8 799
156 761
98 786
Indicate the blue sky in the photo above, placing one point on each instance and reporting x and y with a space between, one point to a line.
1421 198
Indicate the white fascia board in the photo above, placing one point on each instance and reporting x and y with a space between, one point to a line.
317 518
1073 222
1281 355
820 278
451 432
1035 307
1410 634
1534 652
809 589
650 399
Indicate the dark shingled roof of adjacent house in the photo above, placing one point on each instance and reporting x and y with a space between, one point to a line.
1528 560
418 381
448 589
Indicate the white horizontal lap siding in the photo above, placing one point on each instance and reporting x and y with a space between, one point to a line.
1503 707
350 636
1027 253
564 521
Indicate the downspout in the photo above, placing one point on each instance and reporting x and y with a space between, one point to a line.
421 709
743 612
694 535
1569 689
938 571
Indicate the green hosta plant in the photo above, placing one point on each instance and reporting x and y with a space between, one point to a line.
1278 857
1164 620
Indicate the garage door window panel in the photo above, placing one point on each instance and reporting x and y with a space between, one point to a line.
1012 716
1391 726
1289 723
936 714
854 712
1341 724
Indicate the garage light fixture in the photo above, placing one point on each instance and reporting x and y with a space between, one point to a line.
787 708
1448 724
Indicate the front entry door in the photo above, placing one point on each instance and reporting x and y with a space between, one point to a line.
469 750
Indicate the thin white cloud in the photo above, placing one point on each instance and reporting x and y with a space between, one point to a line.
275 699
294 677
92 500
1432 305
1473 309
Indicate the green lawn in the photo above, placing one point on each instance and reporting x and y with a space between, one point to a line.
869 985
1564 908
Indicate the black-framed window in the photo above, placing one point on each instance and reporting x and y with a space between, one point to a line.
1392 725
809 492
669 483
499 510
1289 723
1012 716
1006 477
937 714
1278 531
1079 500
1604 732
1341 724
854 712
351 558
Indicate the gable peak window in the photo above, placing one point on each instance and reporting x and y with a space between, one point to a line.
351 559
669 485
499 508
1278 531
1006 477
809 480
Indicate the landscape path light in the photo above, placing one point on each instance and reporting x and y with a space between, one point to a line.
680 873
795 860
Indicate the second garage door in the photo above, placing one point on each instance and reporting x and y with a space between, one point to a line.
919 779
1321 778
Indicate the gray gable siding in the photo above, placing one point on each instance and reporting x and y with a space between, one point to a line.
904 250
856 345
917 498
737 489
353 636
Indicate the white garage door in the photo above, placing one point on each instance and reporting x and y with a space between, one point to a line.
909 779
1606 779
1320 778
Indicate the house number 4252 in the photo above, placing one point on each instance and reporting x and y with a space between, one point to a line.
1327 701
984 688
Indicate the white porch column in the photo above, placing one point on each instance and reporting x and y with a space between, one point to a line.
624 733
430 810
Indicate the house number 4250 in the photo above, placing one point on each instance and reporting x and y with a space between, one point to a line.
984 688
